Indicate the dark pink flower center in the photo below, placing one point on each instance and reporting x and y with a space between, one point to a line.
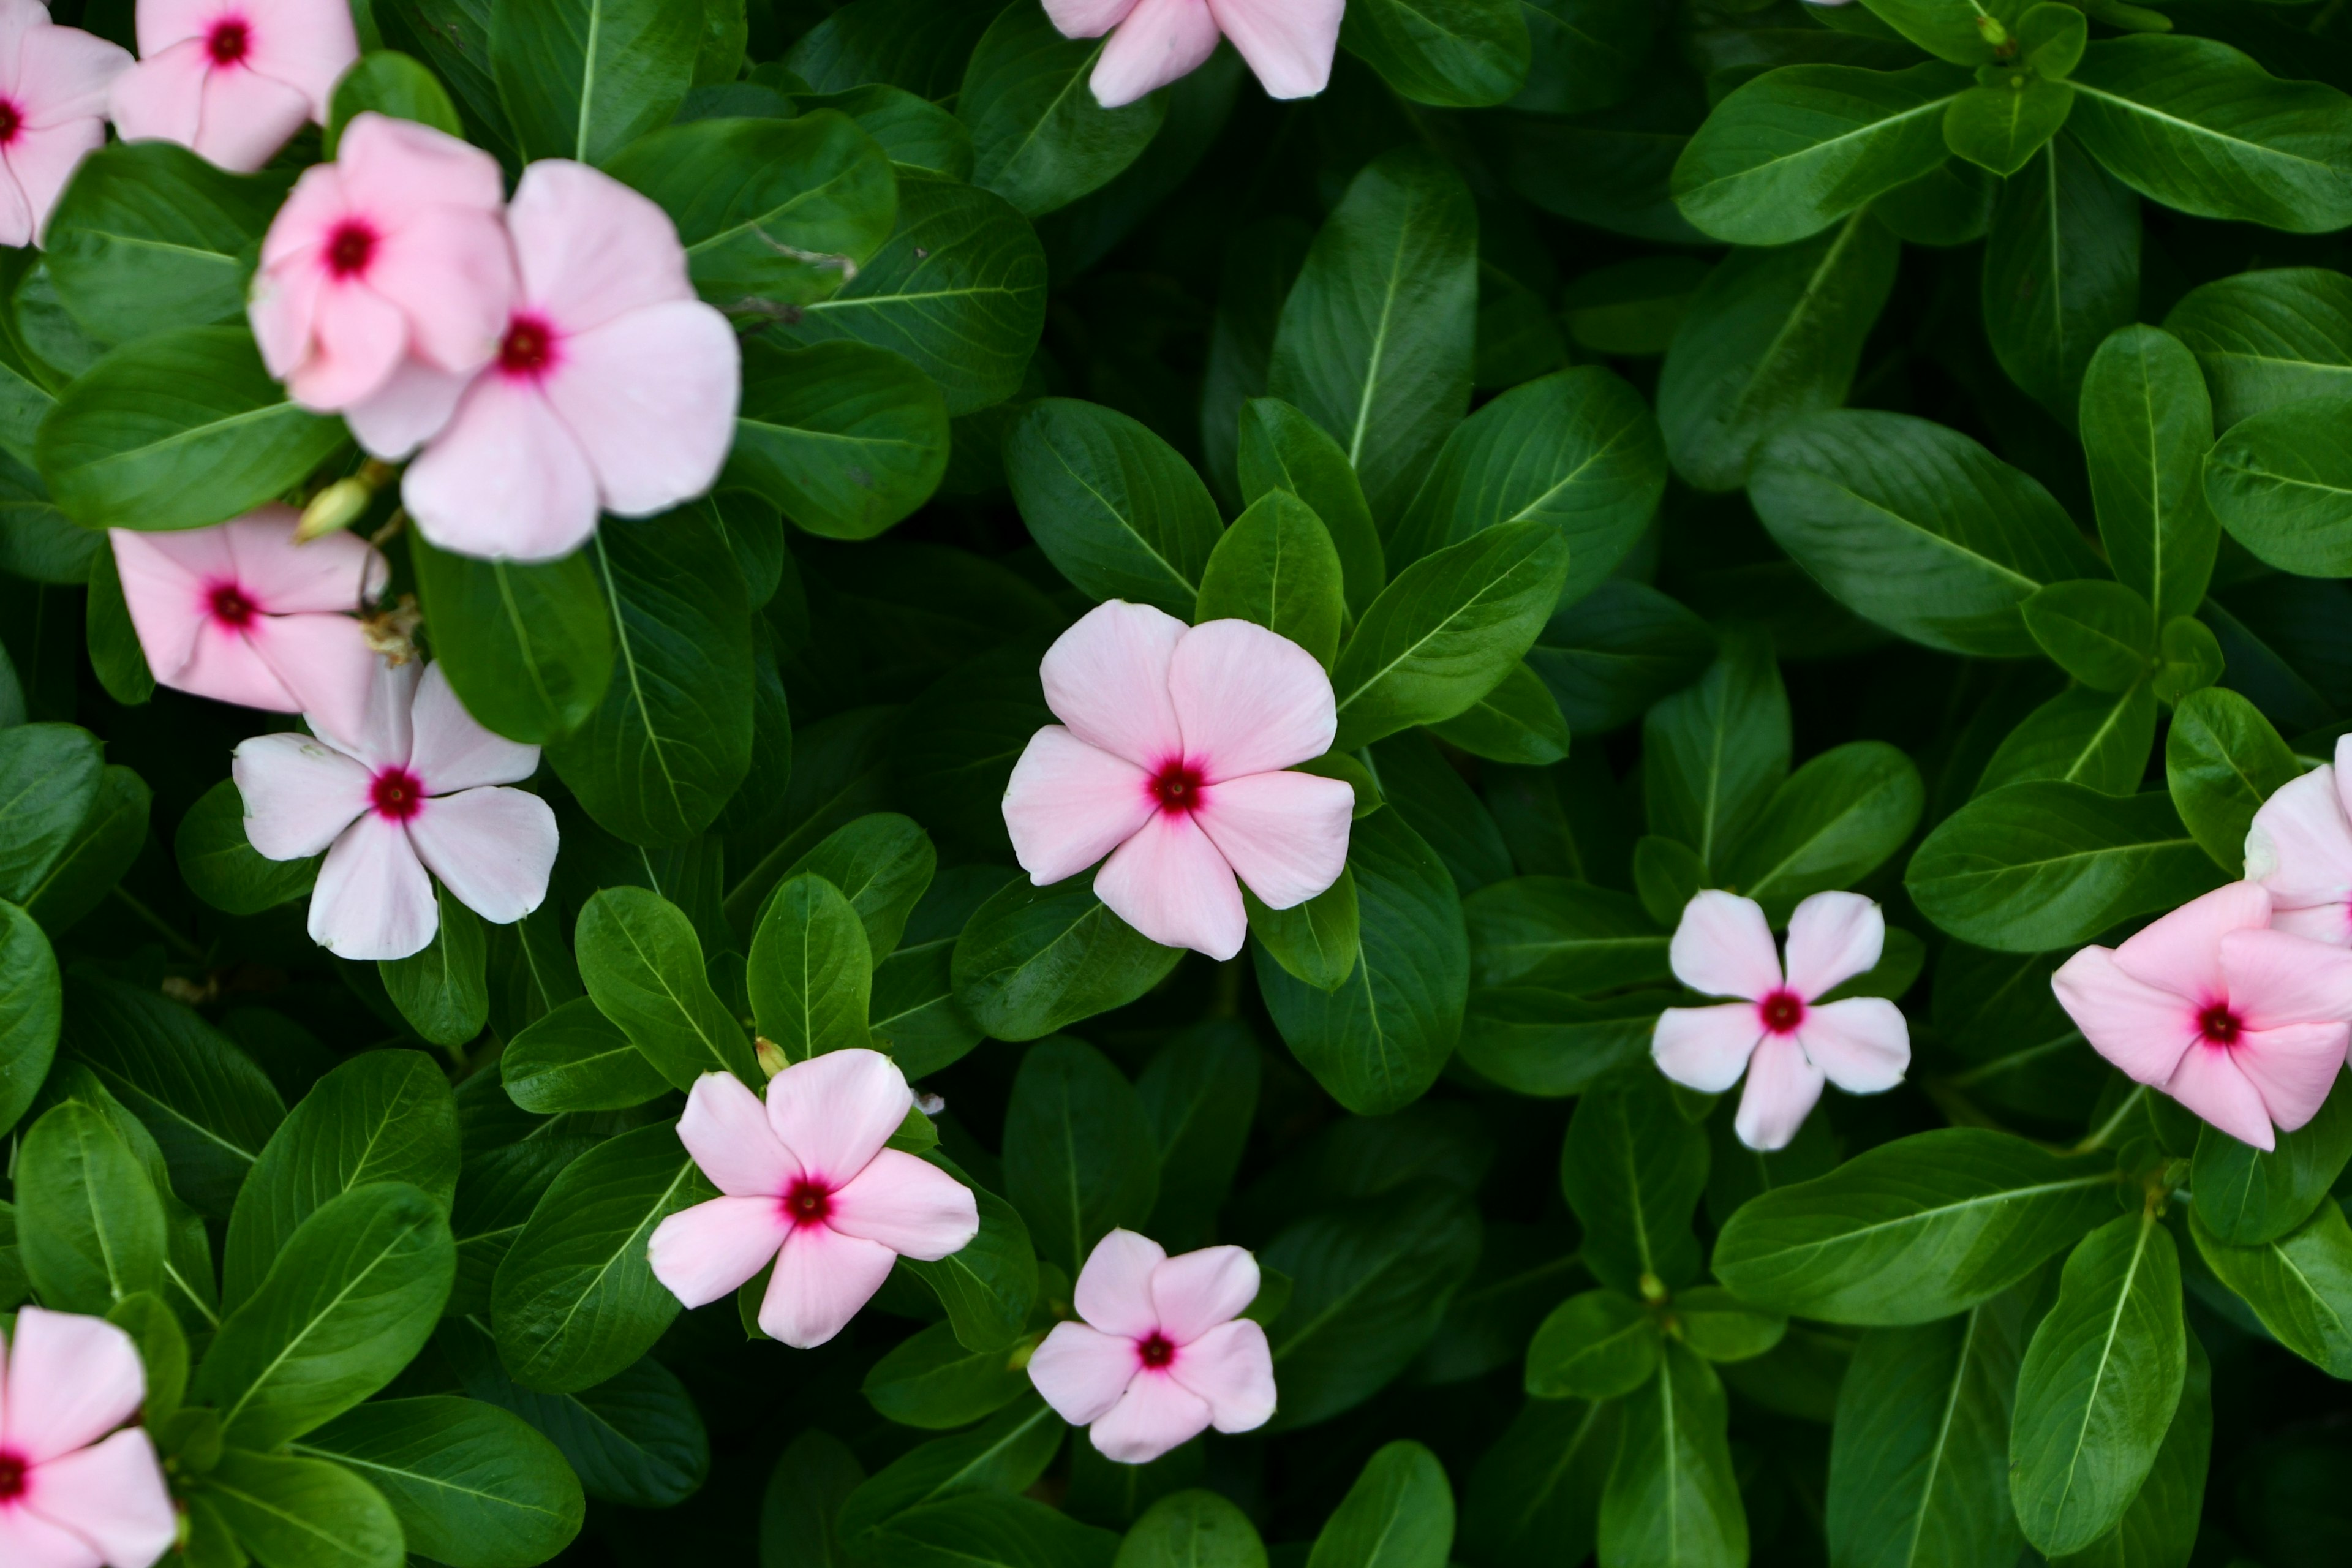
2218 1026
350 248
230 606
397 795
228 41
809 1203
1155 1351
528 347
1177 786
1782 1011
12 120
12 1470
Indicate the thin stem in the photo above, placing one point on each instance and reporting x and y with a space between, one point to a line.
2106 1130
188 949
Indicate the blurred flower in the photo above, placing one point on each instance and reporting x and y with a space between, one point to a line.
1288 43
2243 1024
808 1186
614 387
409 789
2300 850
53 85
1165 1351
71 1495
386 281
1173 764
241 612
233 80
1784 1038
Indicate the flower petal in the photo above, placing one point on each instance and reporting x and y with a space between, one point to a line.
1087 19
71 1380
2140 1029
452 751
161 98
1160 41
1289 43
44 161
1195 1291
706 1252
110 1494
1081 1371
915 1209
1068 805
303 43
1285 833
246 117
2209 1082
410 407
726 1129
372 898
63 74
1249 700
1155 1415
28 1541
2330 923
1114 1289
339 572
386 733
18 226
505 479
493 849
835 1111
1832 937
591 250
1723 947
1169 882
1231 1368
2182 952
2274 978
1707 1048
408 170
822 1279
1107 679
164 578
2293 1068
357 338
1862 1043
324 663
2299 846
650 396
1781 1088
299 794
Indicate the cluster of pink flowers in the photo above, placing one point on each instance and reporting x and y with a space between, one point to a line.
1288 43
77 1487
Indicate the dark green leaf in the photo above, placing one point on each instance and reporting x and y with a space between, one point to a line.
1034 960
89 1221
2061 271
1040 139
474 1486
1113 506
1276 566
1080 1157
846 438
528 646
2222 761
582 79
1633 1168
2146 423
1671 1497
643 965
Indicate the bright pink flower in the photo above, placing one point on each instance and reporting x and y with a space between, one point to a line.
613 387
1172 764
1164 1352
71 1495
1781 1035
410 790
53 86
2243 1024
242 613
809 1187
233 80
395 252
2300 850
1288 43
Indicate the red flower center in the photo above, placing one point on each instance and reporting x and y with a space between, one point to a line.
350 247
2219 1026
1156 1351
12 120
397 795
228 41
528 347
1177 786
809 1203
1782 1011
230 607
13 1467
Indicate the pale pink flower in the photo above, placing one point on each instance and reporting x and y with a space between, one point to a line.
53 87
2300 850
410 790
233 80
2243 1024
1288 43
1164 1352
241 612
1172 764
613 388
72 1496
809 1187
1781 1035
394 253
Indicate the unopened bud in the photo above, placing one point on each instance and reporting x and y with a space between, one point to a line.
332 509
1653 1289
770 1055
1991 31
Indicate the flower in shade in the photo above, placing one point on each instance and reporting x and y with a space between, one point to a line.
1781 1033
72 1496
413 789
1170 758
53 86
386 268
2300 850
2242 1024
242 613
233 80
614 388
1288 43
1163 1353
808 1186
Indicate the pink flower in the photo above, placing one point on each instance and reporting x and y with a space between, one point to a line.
1164 1352
1288 43
2243 1024
53 84
233 80
410 790
1172 764
1785 1038
810 1187
242 613
2300 850
393 254
71 1495
613 387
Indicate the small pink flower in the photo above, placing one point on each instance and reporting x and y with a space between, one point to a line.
242 613
1164 1352
2243 1024
1172 764
613 387
410 790
53 86
810 1187
2300 850
233 80
394 253
1785 1038
1288 43
71 1495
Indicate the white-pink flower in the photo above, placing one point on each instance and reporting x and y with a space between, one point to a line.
810 1187
233 80
53 87
1170 759
614 387
1164 1352
71 1496
1288 43
2300 850
241 612
1780 1034
395 252
413 788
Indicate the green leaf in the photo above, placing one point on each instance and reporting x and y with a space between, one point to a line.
2222 761
2061 271
1456 54
88 1219
1715 1323
1006 1455
1080 1158
2096 739
929 1380
442 989
1829 824
991 1286
149 236
1670 1495
1398 1514
1537 1492
583 78
993 1527
2246 1197
49 779
1570 936
1113 506
498 1190
1585 54
1633 1168
102 849
527 645
115 655
1034 960
1192 1530
1914 1230
2282 491
474 1486
31 1011
811 971
1519 721
845 438
386 82
220 863
575 1059
917 134
2192 658
1611 655
1200 1092
2000 127
1040 139
2146 423
1599 1345
1717 752
643 965
1283 449
2267 338
2299 1284
2161 1524
1945 29
1276 566
2101 632
883 863
302 1513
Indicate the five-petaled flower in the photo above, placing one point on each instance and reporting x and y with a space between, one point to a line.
1170 758
2300 850
72 1496
242 613
53 88
1781 1035
413 788
2243 1024
1163 1353
808 1185
233 80
1288 43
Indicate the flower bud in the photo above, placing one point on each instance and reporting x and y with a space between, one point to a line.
770 1055
334 509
